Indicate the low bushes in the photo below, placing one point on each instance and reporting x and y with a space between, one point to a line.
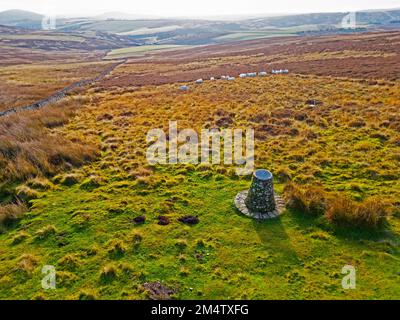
339 209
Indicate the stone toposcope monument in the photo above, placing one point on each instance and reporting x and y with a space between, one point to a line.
260 201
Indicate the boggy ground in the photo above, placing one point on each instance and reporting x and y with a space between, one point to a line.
83 223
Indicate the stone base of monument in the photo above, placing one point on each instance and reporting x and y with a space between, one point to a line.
240 203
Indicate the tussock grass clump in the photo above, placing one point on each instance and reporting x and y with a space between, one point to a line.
136 237
70 179
108 273
27 263
87 295
45 232
310 200
91 183
65 278
181 244
116 247
11 212
26 194
370 213
69 262
39 183
339 209
19 237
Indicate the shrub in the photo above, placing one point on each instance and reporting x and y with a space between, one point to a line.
310 200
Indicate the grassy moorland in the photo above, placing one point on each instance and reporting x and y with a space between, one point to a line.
24 84
347 146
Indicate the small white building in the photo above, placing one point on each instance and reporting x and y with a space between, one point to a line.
231 78
199 81
212 78
262 74
252 74
243 75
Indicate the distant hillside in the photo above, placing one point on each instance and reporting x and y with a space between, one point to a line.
20 18
13 37
199 31
376 17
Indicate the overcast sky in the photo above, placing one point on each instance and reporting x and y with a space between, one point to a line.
193 7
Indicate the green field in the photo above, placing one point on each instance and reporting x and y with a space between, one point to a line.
251 35
141 50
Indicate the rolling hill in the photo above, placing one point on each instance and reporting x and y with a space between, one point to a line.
178 31
20 18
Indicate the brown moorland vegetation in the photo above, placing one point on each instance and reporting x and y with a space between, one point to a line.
30 148
361 56
25 84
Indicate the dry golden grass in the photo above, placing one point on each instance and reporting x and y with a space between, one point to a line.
11 212
25 84
31 147
338 208
370 213
310 200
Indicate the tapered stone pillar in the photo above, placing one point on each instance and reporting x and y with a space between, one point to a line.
261 196
260 201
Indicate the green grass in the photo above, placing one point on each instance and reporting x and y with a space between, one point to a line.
225 256
252 35
141 50
43 37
